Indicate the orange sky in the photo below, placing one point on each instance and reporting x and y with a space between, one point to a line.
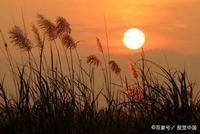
168 24
171 26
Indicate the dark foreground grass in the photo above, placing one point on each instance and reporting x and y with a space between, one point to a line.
49 100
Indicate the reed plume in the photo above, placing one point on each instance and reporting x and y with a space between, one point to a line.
19 38
68 41
114 67
48 27
99 45
37 36
133 70
62 26
92 59
133 93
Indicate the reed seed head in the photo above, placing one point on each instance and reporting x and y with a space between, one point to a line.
133 70
99 45
48 27
68 41
133 93
114 67
18 37
37 36
93 60
62 26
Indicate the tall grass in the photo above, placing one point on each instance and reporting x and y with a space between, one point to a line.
51 101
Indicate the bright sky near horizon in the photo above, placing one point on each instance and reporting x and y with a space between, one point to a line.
168 24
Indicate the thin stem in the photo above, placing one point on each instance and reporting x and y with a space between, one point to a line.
67 60
58 53
52 61
108 72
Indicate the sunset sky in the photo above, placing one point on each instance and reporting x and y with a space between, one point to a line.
169 25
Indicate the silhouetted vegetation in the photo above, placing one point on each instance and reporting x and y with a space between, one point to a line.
56 96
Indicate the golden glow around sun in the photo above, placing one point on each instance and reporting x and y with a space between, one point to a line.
134 38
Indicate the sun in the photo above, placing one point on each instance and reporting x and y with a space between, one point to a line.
134 38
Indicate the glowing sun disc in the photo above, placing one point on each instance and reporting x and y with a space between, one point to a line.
134 38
